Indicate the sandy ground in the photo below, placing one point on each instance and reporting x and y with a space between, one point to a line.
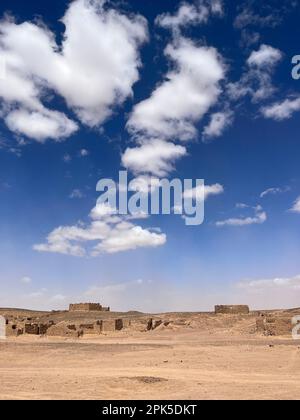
155 365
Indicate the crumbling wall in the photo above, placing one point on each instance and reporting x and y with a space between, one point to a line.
31 329
43 327
274 326
63 330
91 328
108 325
37 328
85 307
119 324
13 330
232 309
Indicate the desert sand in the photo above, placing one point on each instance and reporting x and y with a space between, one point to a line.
200 357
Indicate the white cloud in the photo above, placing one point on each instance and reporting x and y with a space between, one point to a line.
265 56
76 194
282 110
259 218
93 69
218 123
111 233
257 80
84 152
126 237
241 206
249 38
296 206
273 191
292 283
257 14
214 189
188 92
174 107
154 156
40 125
190 14
26 280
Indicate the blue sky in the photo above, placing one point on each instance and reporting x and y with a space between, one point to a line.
191 90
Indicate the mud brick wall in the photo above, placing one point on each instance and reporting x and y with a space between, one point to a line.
92 328
13 330
62 330
97 327
232 309
274 326
85 307
141 324
119 324
108 325
126 322
31 329
44 327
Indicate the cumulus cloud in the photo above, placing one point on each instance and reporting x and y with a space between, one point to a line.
188 92
93 69
173 109
265 56
257 80
218 123
190 14
154 156
214 189
296 206
107 233
40 125
281 110
259 217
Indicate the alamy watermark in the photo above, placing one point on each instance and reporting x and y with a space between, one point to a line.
144 196
296 68
2 328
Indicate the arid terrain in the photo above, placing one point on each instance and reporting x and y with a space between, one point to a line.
189 356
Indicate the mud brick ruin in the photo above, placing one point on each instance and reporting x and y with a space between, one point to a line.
232 309
273 326
94 319
87 307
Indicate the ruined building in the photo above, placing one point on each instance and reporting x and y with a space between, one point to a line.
232 309
87 307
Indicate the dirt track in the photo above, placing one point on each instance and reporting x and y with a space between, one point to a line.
184 364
